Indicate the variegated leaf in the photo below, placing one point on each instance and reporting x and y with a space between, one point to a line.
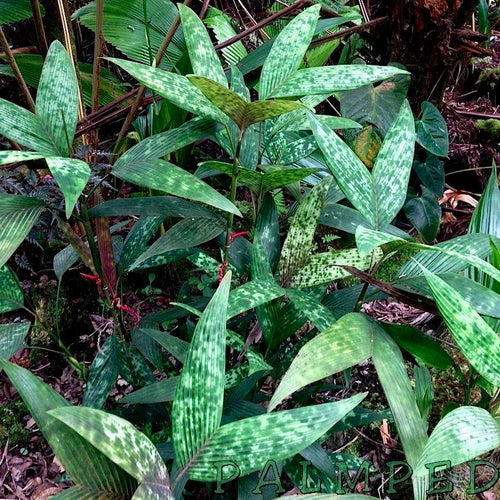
260 111
166 177
57 98
176 88
204 59
321 317
344 344
161 392
187 233
18 214
11 294
330 79
197 407
462 435
72 176
476 339
334 122
12 337
322 268
251 442
118 439
351 175
252 294
299 149
164 143
25 128
19 156
298 243
153 491
288 51
87 466
391 172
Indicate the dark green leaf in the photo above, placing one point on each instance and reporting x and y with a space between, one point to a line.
432 132
424 213
431 173
11 294
11 12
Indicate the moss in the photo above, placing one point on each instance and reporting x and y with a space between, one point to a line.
490 127
12 428
389 268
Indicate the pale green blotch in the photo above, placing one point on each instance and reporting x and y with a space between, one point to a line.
72 176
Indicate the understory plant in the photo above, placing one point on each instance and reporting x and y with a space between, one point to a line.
240 362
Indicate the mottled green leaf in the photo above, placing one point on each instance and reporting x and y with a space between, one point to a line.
175 346
11 293
12 337
267 230
204 59
119 440
103 374
252 294
187 233
300 236
330 79
288 51
476 339
344 344
316 312
18 214
334 122
57 98
19 156
86 465
322 268
351 175
176 88
161 392
197 407
162 144
260 111
72 176
25 128
432 132
299 149
462 435
392 169
166 177
251 442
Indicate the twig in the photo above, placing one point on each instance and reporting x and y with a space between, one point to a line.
259 25
15 69
204 9
40 30
495 116
140 92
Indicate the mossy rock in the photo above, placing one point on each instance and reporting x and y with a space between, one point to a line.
12 427
490 128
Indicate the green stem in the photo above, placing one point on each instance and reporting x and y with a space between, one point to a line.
232 196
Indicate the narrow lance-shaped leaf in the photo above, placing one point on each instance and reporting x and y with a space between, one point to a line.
204 59
19 156
18 214
71 175
344 344
164 176
12 337
392 169
176 88
57 98
197 407
476 339
288 51
251 442
120 441
330 79
300 236
11 293
351 175
462 435
87 466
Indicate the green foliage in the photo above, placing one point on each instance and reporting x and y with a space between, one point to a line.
201 370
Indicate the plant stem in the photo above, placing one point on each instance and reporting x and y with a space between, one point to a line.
96 70
159 56
232 196
15 69
40 30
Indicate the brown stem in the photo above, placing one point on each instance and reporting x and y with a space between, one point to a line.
204 9
96 70
15 69
350 31
159 56
259 25
39 28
